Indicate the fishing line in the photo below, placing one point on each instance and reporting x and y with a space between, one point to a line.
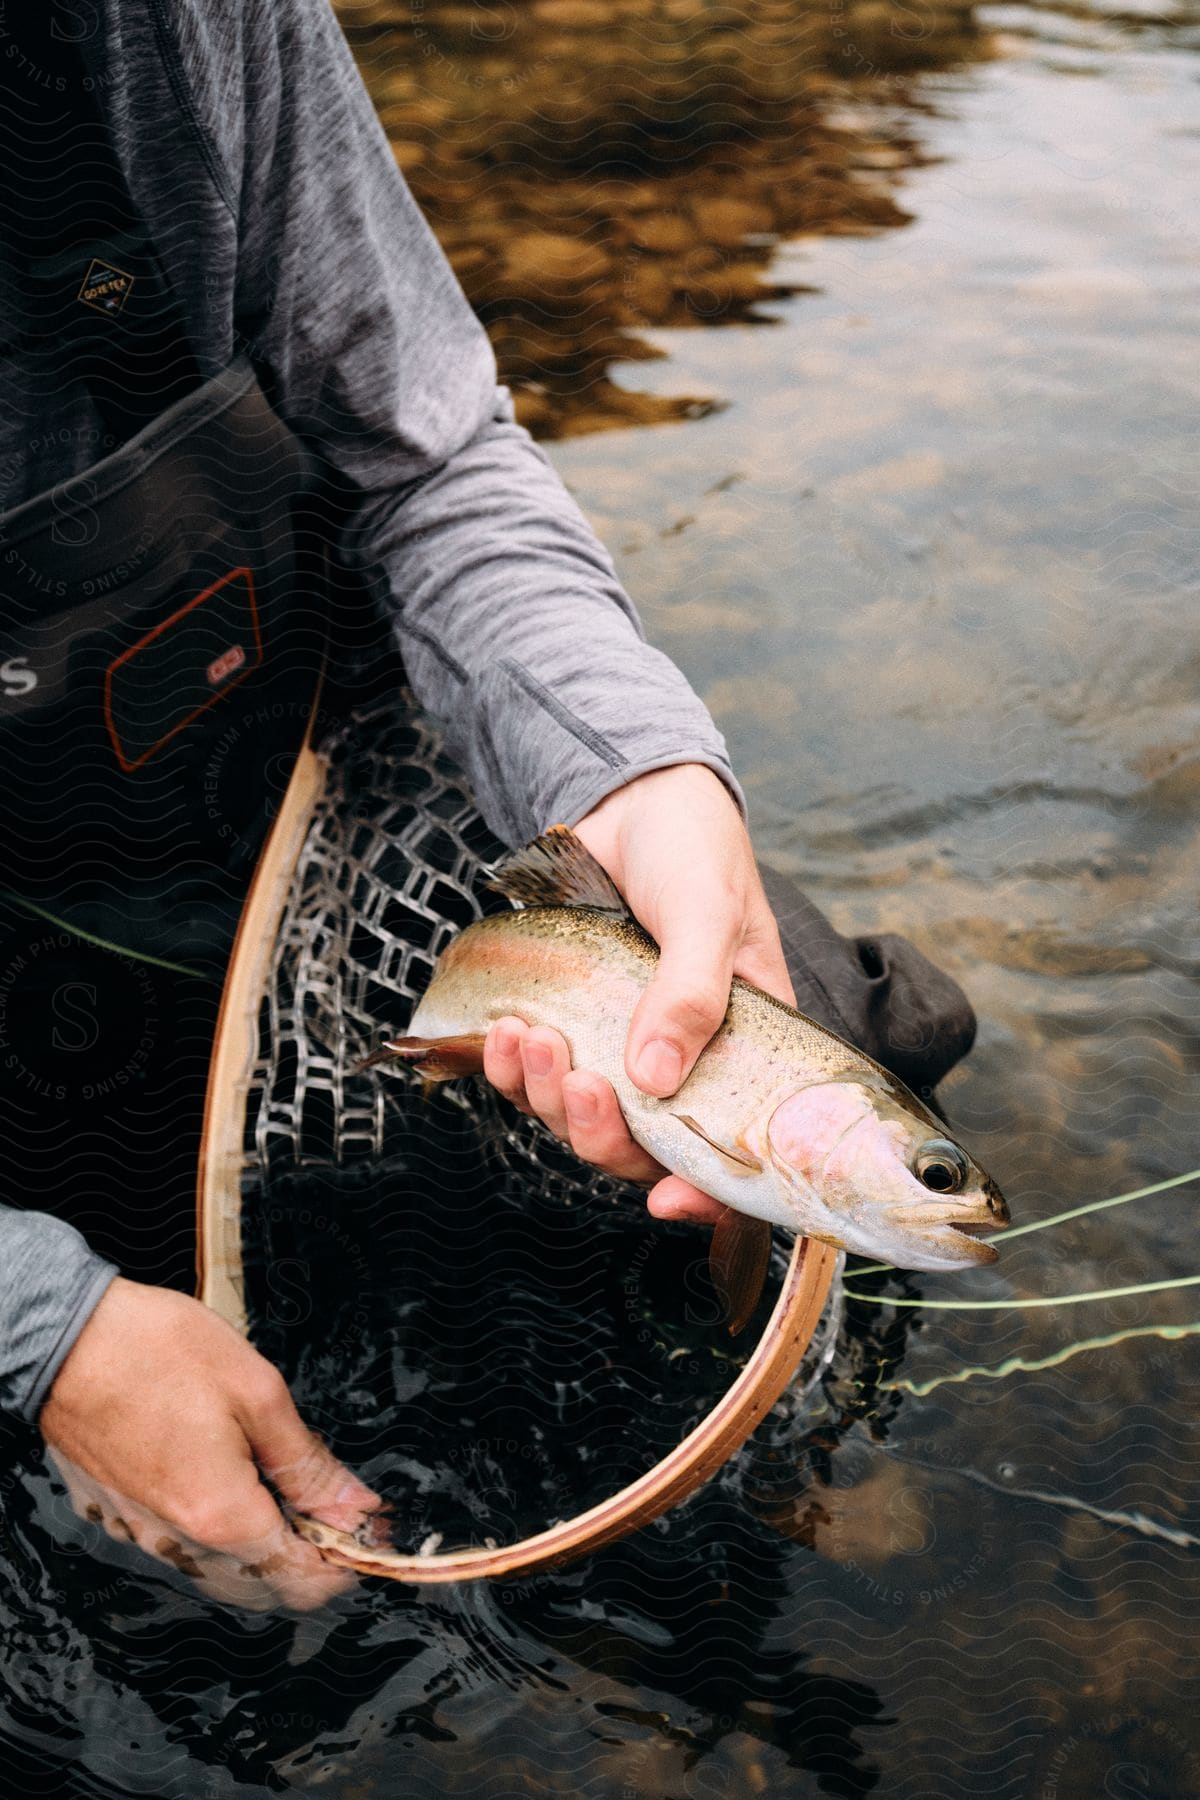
1128 1520
1076 1212
1017 1365
90 937
1143 1287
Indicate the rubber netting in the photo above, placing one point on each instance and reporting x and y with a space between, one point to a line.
447 1287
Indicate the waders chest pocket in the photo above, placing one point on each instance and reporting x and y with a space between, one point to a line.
178 670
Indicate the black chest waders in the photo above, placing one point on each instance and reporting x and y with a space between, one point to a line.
163 618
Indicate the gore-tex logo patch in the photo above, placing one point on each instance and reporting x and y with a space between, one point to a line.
105 287
223 666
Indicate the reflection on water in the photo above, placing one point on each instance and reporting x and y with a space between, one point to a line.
599 168
934 568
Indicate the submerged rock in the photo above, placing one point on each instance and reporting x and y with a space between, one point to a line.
594 167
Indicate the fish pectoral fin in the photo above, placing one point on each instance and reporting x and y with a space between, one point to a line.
437 1059
557 869
738 1257
738 1161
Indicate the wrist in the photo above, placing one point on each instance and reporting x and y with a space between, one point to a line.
81 1362
691 790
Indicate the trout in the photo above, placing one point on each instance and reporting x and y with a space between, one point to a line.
782 1120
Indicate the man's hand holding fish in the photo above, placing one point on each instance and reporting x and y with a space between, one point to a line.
674 843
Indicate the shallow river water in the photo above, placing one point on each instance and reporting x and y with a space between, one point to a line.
917 513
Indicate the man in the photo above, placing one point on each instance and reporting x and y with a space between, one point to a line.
252 156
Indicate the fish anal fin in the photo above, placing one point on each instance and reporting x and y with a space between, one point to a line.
557 869
737 1159
738 1258
437 1059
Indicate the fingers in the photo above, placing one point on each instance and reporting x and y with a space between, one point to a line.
233 1542
165 1413
259 1547
674 1198
502 1063
531 1067
598 1131
546 1061
249 1554
699 935
310 1478
527 1064
294 1459
673 841
704 944
761 959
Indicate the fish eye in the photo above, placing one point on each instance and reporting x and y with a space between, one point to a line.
941 1165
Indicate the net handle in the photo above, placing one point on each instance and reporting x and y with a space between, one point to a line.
220 1282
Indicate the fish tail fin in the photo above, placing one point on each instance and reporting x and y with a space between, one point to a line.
437 1059
557 869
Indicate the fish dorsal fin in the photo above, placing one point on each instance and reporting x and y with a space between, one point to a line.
557 869
737 1160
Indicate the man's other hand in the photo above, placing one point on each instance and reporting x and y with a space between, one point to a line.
161 1419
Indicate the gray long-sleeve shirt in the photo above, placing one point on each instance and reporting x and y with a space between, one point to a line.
286 230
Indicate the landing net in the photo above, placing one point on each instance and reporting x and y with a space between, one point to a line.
395 863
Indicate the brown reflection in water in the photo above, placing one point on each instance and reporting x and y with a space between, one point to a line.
597 168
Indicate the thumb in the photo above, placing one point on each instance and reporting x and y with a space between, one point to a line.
299 1465
687 999
761 959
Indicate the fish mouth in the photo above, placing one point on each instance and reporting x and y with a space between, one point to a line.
967 1247
963 1240
970 1236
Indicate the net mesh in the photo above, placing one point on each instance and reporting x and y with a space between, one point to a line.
395 863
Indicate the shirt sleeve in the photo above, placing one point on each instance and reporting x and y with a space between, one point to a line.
513 626
50 1284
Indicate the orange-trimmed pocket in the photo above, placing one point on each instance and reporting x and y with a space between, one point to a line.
153 690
